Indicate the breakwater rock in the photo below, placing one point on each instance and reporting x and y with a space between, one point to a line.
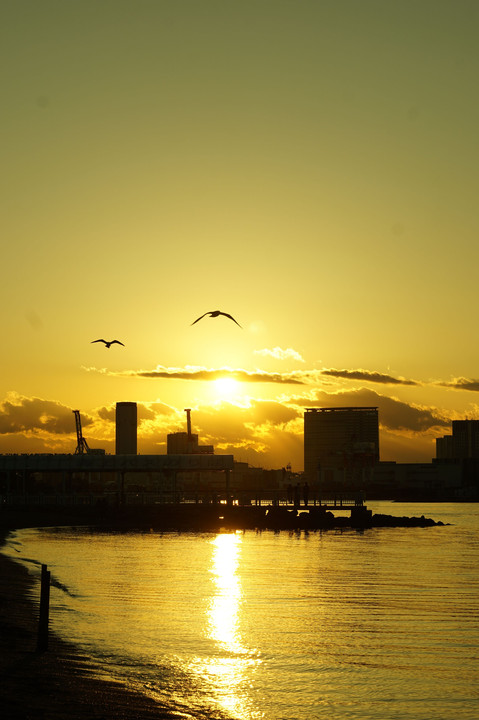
318 519
379 520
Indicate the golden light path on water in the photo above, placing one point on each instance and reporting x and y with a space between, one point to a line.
229 672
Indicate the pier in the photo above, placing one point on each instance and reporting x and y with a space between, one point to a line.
186 511
212 486
214 507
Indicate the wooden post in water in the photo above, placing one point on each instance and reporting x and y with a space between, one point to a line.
42 643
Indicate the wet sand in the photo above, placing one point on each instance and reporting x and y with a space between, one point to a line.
55 684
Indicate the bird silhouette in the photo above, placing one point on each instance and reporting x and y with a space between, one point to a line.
215 313
108 342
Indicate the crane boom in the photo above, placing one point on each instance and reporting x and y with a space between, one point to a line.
82 445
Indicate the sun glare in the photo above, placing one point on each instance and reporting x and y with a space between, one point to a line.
226 387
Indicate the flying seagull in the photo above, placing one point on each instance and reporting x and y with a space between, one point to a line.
108 343
215 313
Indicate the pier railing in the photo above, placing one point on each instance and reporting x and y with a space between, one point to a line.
277 498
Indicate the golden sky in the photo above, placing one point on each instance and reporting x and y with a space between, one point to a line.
310 167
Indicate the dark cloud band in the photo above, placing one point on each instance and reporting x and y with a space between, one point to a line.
368 376
205 374
461 384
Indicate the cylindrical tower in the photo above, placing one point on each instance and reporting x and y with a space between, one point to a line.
126 424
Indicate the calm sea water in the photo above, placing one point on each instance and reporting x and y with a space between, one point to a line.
346 625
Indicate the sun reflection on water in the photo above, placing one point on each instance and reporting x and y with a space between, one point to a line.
224 607
228 670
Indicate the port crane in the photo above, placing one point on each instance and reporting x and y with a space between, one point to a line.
82 445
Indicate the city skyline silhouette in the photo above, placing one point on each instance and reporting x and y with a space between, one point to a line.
310 167
312 175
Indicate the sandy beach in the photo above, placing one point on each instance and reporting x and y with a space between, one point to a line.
52 685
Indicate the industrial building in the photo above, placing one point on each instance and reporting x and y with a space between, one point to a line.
90 470
341 444
186 443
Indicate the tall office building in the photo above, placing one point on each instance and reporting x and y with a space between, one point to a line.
462 444
126 425
342 438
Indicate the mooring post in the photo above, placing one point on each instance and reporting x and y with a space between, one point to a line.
42 644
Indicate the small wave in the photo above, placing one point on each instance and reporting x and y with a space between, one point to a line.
60 586
32 561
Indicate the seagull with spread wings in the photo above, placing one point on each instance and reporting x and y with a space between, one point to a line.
108 342
215 313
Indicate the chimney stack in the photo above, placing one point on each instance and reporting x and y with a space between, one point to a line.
188 421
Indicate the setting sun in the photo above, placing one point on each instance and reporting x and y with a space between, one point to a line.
204 174
226 387
239 381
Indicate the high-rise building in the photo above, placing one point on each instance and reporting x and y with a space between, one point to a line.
340 438
126 426
462 444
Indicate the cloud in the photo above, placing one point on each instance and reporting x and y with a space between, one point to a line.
201 373
145 411
368 376
263 433
394 414
21 414
461 384
266 433
280 354
297 377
